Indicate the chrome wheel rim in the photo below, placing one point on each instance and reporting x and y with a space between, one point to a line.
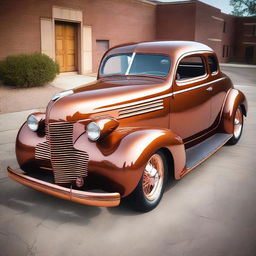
153 177
238 123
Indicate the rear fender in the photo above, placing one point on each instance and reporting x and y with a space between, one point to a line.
121 156
234 99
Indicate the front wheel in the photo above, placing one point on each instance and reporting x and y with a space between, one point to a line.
238 127
149 191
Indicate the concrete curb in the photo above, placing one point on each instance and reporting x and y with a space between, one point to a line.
234 65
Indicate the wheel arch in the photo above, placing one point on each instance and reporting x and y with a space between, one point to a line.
170 162
244 109
235 98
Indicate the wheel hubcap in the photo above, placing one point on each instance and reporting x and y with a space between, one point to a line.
153 177
238 123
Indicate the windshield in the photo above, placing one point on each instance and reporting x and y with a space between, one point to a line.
136 64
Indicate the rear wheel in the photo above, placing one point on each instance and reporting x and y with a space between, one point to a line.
238 126
149 191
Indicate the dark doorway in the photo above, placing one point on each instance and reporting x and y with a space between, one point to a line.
249 53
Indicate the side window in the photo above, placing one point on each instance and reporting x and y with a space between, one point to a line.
213 64
190 67
116 64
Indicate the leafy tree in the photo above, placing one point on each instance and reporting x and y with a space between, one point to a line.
243 7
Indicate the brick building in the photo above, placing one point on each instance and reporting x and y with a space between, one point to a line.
245 39
232 38
76 33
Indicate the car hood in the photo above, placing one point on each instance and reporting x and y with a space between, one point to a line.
104 95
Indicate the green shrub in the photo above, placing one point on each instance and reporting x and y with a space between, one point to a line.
28 70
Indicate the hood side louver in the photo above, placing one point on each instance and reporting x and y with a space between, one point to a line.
142 108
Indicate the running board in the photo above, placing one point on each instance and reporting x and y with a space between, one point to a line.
202 151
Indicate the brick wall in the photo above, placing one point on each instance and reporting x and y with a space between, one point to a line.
114 20
175 21
245 35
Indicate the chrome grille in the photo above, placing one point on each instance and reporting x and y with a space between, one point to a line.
43 151
67 162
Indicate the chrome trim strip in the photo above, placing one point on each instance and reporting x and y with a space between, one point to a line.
133 103
156 98
199 86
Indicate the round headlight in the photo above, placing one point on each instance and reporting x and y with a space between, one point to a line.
33 123
93 131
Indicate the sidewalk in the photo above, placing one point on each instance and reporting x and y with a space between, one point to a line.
19 99
66 82
237 65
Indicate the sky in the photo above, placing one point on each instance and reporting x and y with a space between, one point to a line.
221 4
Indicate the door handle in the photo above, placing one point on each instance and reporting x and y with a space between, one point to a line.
209 89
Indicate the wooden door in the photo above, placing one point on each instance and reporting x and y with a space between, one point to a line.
66 46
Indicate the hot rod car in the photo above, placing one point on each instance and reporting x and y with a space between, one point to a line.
156 111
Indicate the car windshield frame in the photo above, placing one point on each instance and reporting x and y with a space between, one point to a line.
133 56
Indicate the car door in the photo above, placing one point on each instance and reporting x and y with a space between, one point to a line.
191 101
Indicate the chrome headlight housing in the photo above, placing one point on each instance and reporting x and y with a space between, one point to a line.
93 131
33 123
101 127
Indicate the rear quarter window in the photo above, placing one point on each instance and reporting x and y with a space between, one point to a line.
213 64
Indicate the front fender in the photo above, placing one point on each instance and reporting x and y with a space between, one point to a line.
234 99
26 142
121 156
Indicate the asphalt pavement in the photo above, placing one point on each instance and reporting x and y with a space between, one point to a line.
210 212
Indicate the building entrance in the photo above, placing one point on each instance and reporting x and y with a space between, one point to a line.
66 46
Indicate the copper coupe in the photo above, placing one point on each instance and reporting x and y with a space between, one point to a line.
156 111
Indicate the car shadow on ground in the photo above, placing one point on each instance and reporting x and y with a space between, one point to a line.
125 208
25 200
31 202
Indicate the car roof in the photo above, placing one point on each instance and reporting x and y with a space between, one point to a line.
177 48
